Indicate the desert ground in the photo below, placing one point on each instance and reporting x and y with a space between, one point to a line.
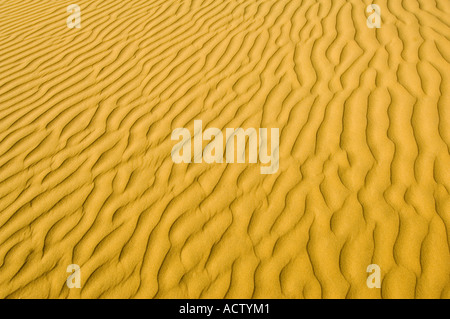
87 177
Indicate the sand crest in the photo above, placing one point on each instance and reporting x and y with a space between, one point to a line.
87 178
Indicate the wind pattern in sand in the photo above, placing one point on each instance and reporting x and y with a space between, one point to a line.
86 175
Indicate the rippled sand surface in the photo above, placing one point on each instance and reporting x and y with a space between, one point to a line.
87 178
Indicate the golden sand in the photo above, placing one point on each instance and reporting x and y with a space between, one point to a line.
87 178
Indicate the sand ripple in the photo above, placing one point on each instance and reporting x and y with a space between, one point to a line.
86 175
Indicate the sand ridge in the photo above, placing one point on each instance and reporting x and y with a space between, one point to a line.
86 175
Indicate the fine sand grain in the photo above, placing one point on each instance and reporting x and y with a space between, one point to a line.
87 178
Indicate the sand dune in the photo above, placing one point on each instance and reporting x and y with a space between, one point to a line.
87 178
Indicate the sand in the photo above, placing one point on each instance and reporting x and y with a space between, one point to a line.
87 178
